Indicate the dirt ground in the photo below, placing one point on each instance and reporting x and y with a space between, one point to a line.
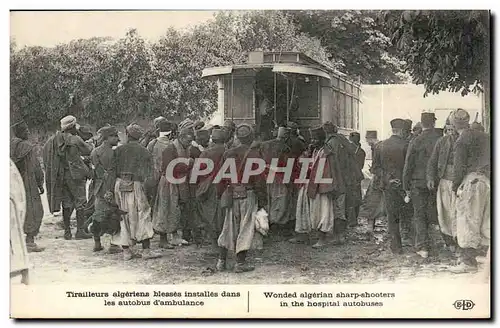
280 262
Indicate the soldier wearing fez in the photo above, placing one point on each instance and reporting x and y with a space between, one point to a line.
415 182
388 165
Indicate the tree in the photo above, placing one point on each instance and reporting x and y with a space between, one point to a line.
356 42
444 49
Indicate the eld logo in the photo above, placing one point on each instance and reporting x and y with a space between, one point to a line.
464 305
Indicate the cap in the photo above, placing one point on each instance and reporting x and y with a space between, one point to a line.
219 134
135 131
418 126
108 131
203 133
371 134
68 122
398 123
427 117
244 130
158 120
165 126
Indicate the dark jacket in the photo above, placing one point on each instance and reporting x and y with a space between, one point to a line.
418 155
360 156
204 182
440 158
134 160
103 159
389 160
256 183
472 154
344 170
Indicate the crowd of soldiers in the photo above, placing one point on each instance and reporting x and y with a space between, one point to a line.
419 179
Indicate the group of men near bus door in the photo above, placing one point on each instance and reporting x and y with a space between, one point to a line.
132 199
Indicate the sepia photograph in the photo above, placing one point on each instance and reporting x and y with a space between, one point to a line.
270 163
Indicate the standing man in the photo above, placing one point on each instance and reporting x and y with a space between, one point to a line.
202 139
103 159
373 205
417 130
388 164
208 193
230 128
359 155
243 200
134 164
323 196
172 209
23 155
472 167
415 183
343 170
151 134
156 148
68 175
440 177
277 192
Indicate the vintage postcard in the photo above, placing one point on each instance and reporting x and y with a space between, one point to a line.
250 164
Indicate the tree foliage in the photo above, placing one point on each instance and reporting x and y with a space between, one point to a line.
356 41
443 49
103 80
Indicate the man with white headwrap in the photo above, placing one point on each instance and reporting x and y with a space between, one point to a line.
134 165
471 182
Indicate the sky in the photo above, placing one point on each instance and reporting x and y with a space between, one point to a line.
48 28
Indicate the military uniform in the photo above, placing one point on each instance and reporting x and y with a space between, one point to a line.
388 164
415 182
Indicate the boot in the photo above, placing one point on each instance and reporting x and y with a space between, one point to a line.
97 244
32 246
221 261
66 222
114 249
339 231
322 240
241 264
80 222
164 242
198 237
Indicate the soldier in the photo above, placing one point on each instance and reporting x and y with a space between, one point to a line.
22 153
278 192
209 193
388 164
239 201
230 127
343 169
407 134
172 213
134 164
471 182
103 159
359 154
156 148
415 182
303 224
440 177
63 155
372 206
